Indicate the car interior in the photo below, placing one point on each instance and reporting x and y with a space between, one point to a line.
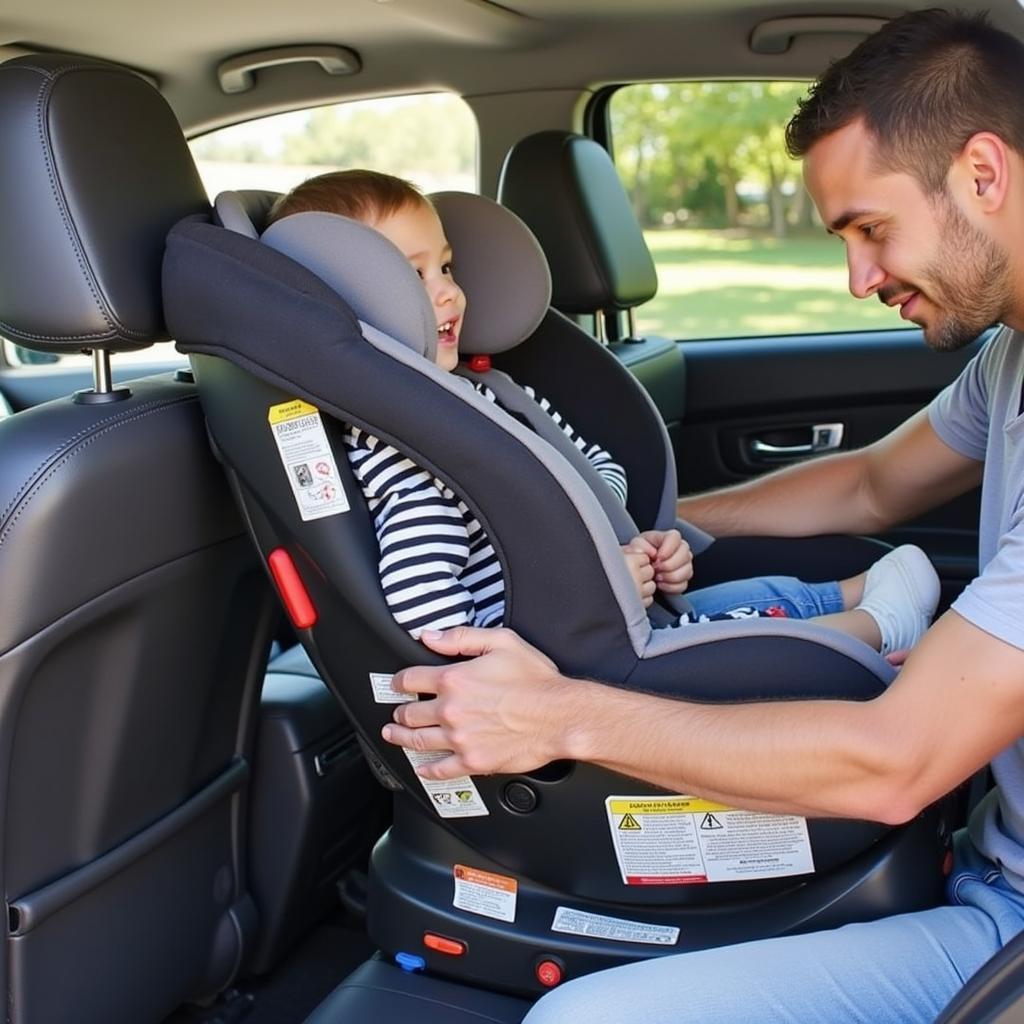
200 820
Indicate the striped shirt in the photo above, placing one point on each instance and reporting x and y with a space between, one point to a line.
437 567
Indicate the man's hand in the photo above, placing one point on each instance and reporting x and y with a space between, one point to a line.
672 560
639 555
492 713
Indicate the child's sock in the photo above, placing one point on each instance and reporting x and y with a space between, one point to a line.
900 593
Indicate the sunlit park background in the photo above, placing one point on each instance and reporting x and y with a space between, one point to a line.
737 244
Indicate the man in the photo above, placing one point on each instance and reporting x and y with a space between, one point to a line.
913 152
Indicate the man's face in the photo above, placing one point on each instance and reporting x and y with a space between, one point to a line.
911 250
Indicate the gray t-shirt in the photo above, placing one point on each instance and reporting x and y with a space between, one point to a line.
979 415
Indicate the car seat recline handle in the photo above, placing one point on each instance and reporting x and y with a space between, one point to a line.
237 74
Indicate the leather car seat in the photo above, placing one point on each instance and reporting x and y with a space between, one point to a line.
136 619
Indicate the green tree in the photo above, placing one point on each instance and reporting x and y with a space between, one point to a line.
681 139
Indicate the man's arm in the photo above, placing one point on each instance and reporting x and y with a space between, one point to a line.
956 703
894 479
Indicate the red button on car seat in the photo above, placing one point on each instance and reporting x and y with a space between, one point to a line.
549 973
293 591
438 943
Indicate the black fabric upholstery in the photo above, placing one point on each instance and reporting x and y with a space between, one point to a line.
229 296
584 381
93 172
566 189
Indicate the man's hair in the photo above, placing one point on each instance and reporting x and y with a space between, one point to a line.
923 84
367 196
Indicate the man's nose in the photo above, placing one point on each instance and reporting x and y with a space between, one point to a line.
866 276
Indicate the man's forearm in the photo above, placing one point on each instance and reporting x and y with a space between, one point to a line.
815 758
819 496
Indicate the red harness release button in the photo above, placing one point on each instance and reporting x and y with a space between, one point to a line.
293 591
450 947
549 973
479 364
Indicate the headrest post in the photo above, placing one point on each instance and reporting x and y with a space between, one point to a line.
631 334
101 371
103 389
599 328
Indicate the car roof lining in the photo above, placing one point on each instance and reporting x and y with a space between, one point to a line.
471 47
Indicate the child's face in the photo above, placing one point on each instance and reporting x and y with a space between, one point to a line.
417 231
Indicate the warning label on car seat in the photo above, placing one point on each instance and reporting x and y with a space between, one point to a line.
616 929
452 798
485 893
683 840
307 459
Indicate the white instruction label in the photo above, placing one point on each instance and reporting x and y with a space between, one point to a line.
307 459
452 798
580 922
682 840
485 893
382 692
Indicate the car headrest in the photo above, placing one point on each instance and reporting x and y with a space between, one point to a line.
370 273
498 264
94 171
565 187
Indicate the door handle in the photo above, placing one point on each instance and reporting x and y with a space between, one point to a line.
825 437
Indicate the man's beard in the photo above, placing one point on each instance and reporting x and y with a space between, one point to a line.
967 282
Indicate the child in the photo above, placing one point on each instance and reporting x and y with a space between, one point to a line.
438 568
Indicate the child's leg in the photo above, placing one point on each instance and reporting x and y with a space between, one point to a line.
784 596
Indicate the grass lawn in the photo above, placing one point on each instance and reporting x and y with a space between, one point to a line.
719 284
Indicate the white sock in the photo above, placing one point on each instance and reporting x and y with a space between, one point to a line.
900 593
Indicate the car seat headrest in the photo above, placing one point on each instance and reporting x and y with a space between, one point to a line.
565 187
244 211
94 171
365 269
499 264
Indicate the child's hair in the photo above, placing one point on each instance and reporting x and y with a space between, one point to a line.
366 196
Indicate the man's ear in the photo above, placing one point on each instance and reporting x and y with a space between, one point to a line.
982 170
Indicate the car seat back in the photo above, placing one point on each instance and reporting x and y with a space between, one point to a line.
136 620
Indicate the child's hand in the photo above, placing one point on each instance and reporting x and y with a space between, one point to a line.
638 554
672 560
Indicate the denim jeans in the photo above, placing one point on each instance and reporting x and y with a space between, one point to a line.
799 600
898 970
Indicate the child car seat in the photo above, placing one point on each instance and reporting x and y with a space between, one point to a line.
509 881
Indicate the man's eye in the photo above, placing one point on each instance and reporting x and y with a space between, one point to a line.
868 230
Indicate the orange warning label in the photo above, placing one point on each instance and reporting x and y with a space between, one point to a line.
485 893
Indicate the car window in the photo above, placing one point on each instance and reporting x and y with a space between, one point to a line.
739 247
429 139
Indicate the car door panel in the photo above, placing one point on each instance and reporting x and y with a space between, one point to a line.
741 393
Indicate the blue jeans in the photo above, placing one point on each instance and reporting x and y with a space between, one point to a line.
798 599
898 970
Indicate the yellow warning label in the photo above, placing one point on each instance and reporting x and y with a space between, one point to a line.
676 805
629 823
289 411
